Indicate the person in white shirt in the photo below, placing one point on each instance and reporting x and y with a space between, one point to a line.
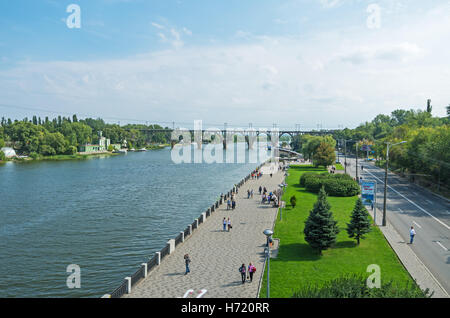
412 232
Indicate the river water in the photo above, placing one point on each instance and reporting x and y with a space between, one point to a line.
106 215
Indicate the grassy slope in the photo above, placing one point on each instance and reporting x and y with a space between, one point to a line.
298 264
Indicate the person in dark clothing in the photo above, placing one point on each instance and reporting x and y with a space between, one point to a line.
260 189
187 261
242 271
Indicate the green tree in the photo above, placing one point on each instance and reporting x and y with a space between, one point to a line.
359 223
324 155
2 156
293 201
320 228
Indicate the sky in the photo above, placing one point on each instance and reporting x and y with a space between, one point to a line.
313 63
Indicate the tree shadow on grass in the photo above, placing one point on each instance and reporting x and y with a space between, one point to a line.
297 252
344 244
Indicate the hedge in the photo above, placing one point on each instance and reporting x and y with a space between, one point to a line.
338 185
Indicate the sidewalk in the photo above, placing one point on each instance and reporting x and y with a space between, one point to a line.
407 257
217 255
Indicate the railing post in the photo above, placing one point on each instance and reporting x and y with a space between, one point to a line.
145 269
190 229
204 217
158 259
128 279
196 223
182 236
171 244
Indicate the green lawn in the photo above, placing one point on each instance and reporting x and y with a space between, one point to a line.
297 264
339 166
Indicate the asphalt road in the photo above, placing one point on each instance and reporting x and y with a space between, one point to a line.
409 205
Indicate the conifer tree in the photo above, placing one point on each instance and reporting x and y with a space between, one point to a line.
359 222
293 201
320 228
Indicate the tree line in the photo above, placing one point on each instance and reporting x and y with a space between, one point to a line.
63 135
424 157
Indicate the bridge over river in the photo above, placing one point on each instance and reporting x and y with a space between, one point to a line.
230 135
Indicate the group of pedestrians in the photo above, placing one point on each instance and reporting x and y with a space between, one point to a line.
231 203
249 193
227 224
256 174
247 273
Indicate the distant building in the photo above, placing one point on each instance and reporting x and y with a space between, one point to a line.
9 152
102 146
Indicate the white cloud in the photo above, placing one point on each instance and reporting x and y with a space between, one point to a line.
158 26
187 31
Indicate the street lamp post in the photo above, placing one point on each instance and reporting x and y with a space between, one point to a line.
345 154
268 233
356 146
386 177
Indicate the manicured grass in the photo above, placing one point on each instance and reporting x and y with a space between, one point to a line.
339 166
298 264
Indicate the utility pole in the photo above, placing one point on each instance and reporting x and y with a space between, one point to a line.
357 179
385 185
345 154
385 179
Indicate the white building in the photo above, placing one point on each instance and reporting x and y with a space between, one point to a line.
9 152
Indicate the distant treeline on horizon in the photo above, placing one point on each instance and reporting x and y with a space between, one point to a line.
63 135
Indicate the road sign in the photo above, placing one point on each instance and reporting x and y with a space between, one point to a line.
368 192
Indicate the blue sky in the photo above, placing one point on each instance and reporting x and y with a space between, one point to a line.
262 61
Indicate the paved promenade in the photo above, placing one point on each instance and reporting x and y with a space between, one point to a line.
217 255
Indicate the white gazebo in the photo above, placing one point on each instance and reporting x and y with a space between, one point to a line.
9 152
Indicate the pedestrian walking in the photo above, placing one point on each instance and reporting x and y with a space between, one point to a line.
412 232
260 189
233 204
248 194
228 204
242 271
229 225
187 261
224 224
251 194
251 271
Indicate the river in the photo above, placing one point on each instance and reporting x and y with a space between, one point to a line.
106 215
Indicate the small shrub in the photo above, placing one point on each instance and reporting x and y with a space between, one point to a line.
293 201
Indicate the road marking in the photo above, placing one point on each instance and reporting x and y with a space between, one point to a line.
422 209
439 243
417 224
431 202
